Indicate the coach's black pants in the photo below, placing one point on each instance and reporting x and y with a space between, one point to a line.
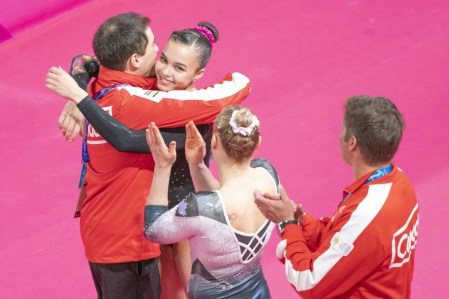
132 280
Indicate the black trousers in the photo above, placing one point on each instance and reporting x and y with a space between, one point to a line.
132 280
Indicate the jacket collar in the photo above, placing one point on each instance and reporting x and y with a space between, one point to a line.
108 77
361 181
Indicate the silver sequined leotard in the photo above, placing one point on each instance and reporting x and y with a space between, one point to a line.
225 262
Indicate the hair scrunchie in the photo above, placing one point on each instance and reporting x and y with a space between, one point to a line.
205 32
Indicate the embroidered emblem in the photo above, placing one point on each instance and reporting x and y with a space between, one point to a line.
340 245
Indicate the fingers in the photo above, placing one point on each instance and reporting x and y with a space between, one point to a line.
76 131
196 133
54 73
61 120
55 69
58 71
65 124
257 195
172 146
154 137
190 129
265 207
52 77
147 135
261 199
274 208
195 147
72 131
163 156
157 134
50 83
283 194
294 205
69 129
271 196
153 134
264 198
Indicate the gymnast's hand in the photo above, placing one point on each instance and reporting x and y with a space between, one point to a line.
163 156
61 83
195 146
71 122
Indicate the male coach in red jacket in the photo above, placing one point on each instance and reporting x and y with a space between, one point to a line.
366 249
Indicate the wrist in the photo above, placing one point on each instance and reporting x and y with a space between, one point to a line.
162 170
198 165
283 224
79 96
287 217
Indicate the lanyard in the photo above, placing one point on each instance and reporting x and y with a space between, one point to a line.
376 175
84 153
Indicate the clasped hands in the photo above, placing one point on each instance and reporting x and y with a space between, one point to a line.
71 121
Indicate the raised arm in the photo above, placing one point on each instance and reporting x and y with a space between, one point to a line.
120 136
114 132
201 106
145 106
168 230
164 157
195 149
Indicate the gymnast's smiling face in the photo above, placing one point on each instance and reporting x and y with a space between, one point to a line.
177 67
